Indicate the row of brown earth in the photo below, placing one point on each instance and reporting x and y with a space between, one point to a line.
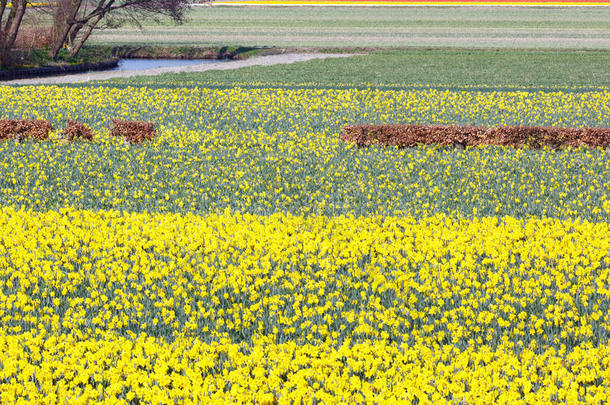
405 136
38 130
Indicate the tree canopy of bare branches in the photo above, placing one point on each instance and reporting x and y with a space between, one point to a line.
11 16
75 20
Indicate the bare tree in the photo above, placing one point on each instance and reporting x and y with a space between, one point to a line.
75 20
11 18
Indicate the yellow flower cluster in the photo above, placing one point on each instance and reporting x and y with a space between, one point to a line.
247 255
109 305
114 370
302 110
258 171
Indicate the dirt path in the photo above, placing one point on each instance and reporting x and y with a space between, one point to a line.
256 61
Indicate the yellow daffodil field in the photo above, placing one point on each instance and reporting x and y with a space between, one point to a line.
248 255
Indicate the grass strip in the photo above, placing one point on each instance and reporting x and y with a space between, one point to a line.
416 68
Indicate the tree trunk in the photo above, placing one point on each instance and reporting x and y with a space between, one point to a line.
2 9
71 37
3 61
76 49
8 33
11 35
63 20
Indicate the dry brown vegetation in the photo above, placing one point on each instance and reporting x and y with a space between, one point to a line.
404 136
25 129
134 131
131 131
77 130
30 38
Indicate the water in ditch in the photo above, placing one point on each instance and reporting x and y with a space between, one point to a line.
143 64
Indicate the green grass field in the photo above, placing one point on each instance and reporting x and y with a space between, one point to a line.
434 67
472 27
438 46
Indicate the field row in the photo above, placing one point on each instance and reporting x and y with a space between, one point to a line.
379 307
344 27
420 68
302 110
111 370
306 174
276 150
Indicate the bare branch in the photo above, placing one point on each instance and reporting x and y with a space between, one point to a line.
78 18
2 9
